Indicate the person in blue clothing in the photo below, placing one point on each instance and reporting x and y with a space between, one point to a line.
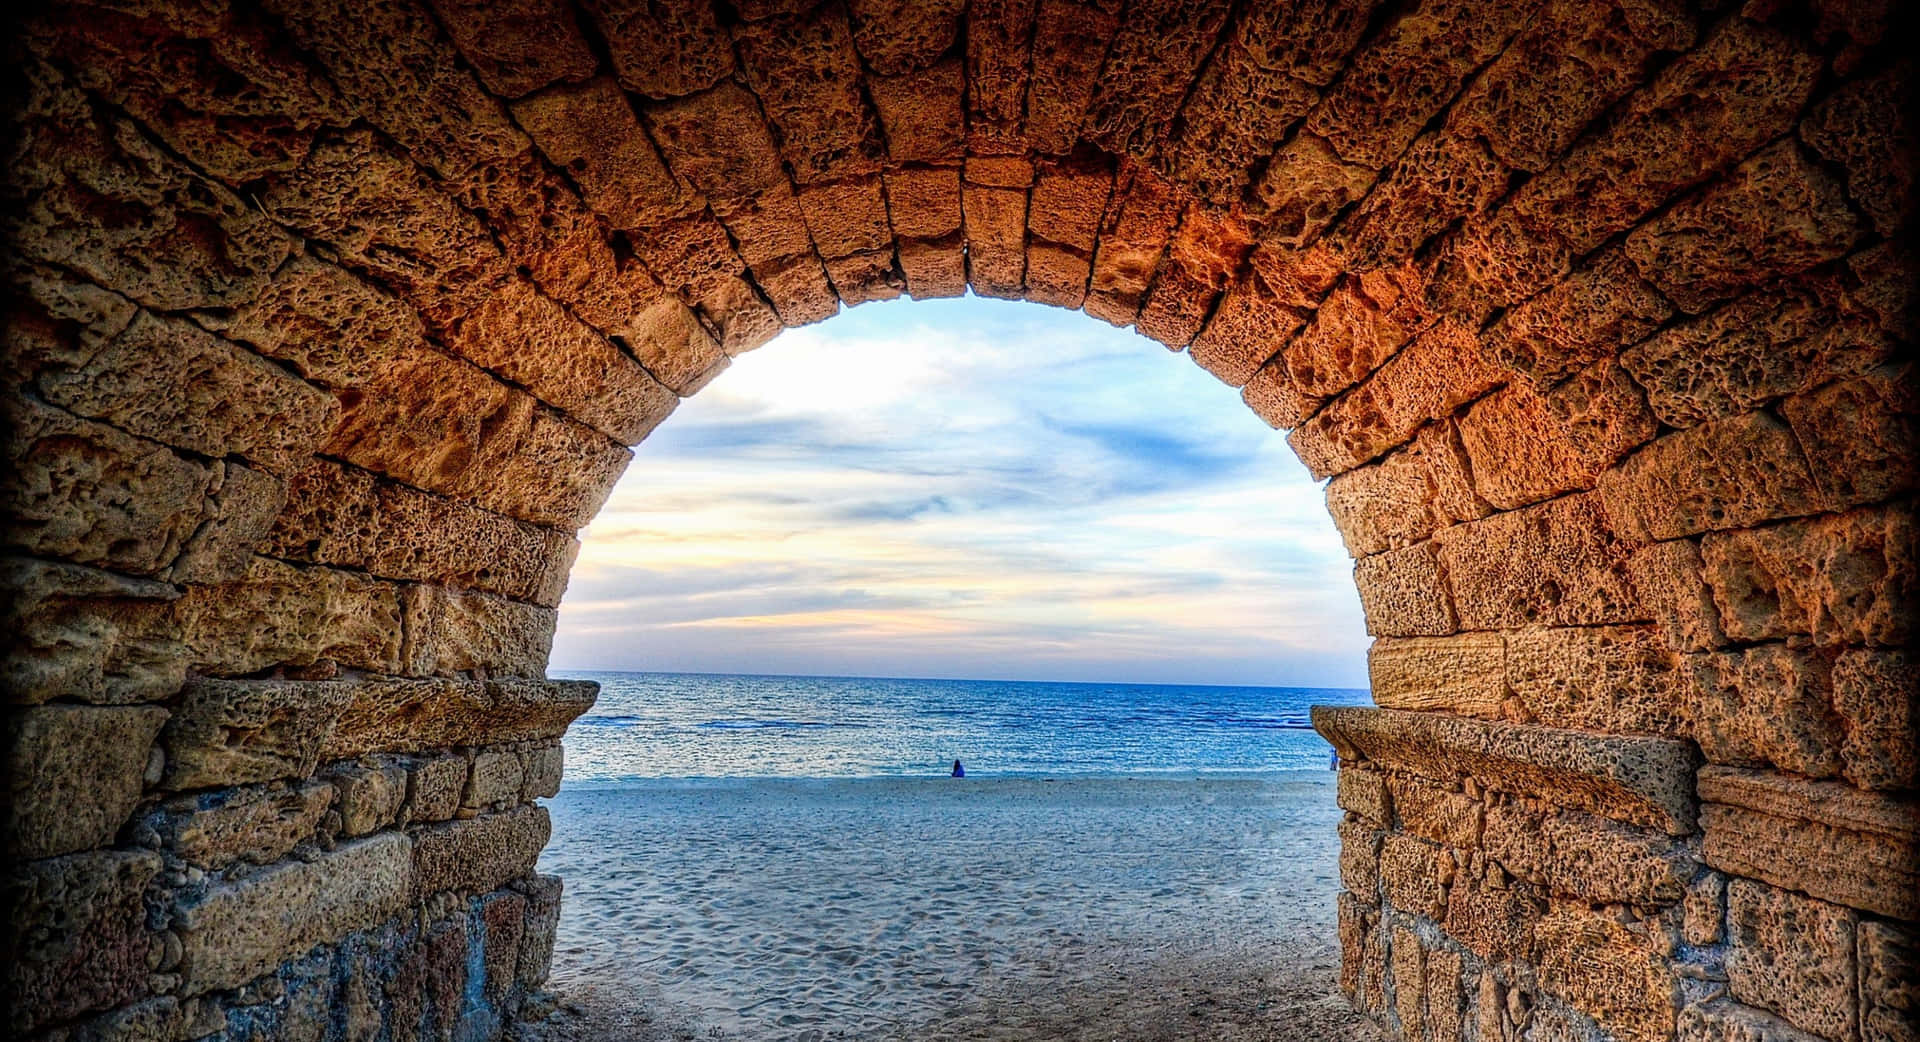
959 771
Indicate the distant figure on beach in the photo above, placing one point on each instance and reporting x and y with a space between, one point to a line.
959 771
1335 765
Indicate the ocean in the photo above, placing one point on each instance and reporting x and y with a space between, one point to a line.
691 725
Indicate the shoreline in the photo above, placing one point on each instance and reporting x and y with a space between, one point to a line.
1150 905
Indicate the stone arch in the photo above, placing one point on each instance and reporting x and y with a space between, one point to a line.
329 323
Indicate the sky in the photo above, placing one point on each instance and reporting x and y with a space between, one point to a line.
967 488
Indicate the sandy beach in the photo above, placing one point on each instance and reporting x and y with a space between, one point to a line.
981 908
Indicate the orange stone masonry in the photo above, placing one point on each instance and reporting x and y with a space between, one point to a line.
329 324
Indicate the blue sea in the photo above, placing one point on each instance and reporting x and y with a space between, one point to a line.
691 725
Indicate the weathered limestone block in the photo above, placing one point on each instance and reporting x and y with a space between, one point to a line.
242 503
934 267
1445 458
1749 352
1444 996
371 794
1360 857
1154 57
1247 328
1730 473
1410 70
94 495
244 927
1520 451
590 130
232 732
797 288
1641 781
1275 398
1593 313
1404 594
171 381
1873 692
1357 327
101 199
1356 920
1069 197
1861 436
254 824
923 202
556 473
1465 673
1365 793
1607 971
896 36
1821 838
1793 956
1616 679
536 940
1432 812
1603 413
81 633
1070 41
1864 127
1385 505
1494 917
861 277
1768 704
343 516
994 171
434 788
921 112
998 38
519 47
1056 275
1845 579
1413 874
1436 373
1722 1020
73 774
1563 70
415 716
1554 564
478 854
1305 187
1442 178
461 631
1409 965
1670 579
846 217
1703 912
540 768
495 781
806 73
82 936
1177 305
996 225
1590 858
1777 214
1889 970
1233 116
663 49
1133 234
281 614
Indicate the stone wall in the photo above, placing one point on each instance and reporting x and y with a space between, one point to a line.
329 323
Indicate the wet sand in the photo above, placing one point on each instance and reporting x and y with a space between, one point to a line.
977 908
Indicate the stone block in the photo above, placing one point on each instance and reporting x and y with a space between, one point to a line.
1793 956
1247 328
1133 234
1603 413
1768 704
767 227
1873 693
1670 579
1056 275
896 36
1153 59
1070 40
1731 473
1069 197
1305 187
996 228
1412 878
86 634
1436 373
1749 352
495 780
1275 398
1365 793
1404 594
232 732
73 775
451 632
934 267
519 47
846 217
1889 981
1554 564
1521 452
536 940
663 50
1704 910
1778 214
1385 505
541 767
999 171
866 276
81 927
94 495
1465 673
1861 436
1721 1020
421 716
253 824
1445 460
435 786
1409 965
1821 838
806 73
478 854
590 130
1234 115
1640 781
1845 579
1494 918
1435 813
998 39
1607 971
1176 307
1589 858
1615 679
1356 328
1443 999
371 795
502 922
1599 309
241 928
1442 178
921 112
555 473
1864 127
1360 858
282 614
923 202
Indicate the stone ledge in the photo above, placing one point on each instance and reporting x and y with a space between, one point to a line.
1824 839
413 716
1642 781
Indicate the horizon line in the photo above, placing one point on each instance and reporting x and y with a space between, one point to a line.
975 680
